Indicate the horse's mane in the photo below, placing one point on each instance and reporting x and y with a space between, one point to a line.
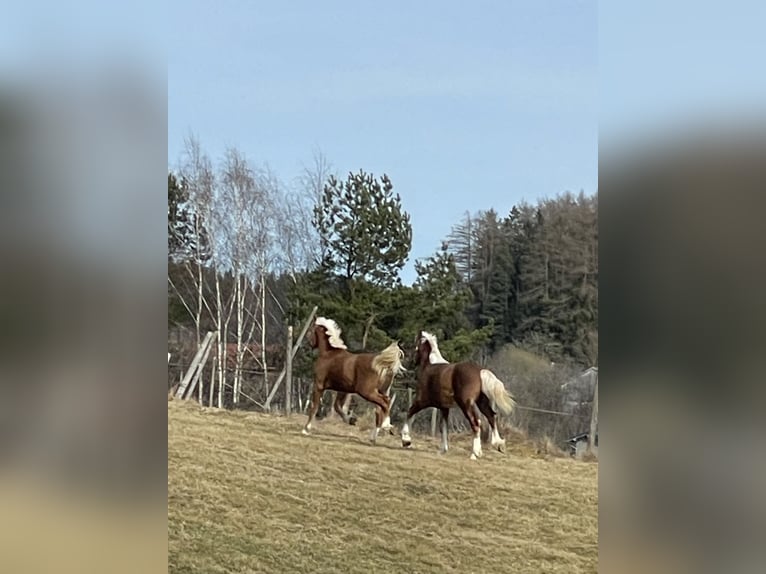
333 332
389 360
435 356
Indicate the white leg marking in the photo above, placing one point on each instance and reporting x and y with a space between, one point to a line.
306 429
374 434
386 423
476 449
445 446
497 442
406 438
345 407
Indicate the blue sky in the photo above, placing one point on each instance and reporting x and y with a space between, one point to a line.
466 106
665 67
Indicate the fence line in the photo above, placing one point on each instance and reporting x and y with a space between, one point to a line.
517 406
551 412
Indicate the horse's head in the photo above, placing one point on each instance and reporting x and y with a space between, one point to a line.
408 355
422 349
313 335
427 350
326 330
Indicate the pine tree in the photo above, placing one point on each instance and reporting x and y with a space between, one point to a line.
366 233
366 236
443 299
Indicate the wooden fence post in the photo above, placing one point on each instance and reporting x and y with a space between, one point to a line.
594 418
211 399
204 348
200 368
289 372
267 404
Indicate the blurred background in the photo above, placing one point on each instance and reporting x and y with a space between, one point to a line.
82 165
681 162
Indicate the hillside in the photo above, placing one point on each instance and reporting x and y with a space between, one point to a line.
248 493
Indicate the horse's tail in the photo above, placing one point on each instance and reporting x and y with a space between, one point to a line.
389 361
495 390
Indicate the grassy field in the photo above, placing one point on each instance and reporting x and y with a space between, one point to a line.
248 493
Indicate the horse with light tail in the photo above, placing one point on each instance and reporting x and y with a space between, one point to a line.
467 385
366 374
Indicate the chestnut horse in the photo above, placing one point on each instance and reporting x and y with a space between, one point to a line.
443 385
362 373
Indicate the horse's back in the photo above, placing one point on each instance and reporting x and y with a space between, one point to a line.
466 379
450 383
343 369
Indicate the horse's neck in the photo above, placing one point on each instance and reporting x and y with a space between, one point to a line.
325 348
422 371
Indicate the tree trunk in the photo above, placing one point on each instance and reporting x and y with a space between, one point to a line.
263 331
289 371
198 316
221 341
241 290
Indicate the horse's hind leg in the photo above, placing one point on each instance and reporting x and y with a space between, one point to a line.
341 404
475 422
486 408
386 425
381 401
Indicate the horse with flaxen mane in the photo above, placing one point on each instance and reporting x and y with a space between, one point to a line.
366 374
443 385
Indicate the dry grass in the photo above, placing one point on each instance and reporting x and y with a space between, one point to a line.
249 493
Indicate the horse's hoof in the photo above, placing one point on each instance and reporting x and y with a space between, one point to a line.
500 446
406 443
473 456
391 431
352 421
305 432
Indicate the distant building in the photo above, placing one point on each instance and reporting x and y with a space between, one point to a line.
577 399
578 444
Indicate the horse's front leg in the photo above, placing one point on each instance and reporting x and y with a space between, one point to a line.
416 407
316 398
444 427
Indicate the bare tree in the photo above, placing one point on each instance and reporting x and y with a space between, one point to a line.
198 173
310 187
255 229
